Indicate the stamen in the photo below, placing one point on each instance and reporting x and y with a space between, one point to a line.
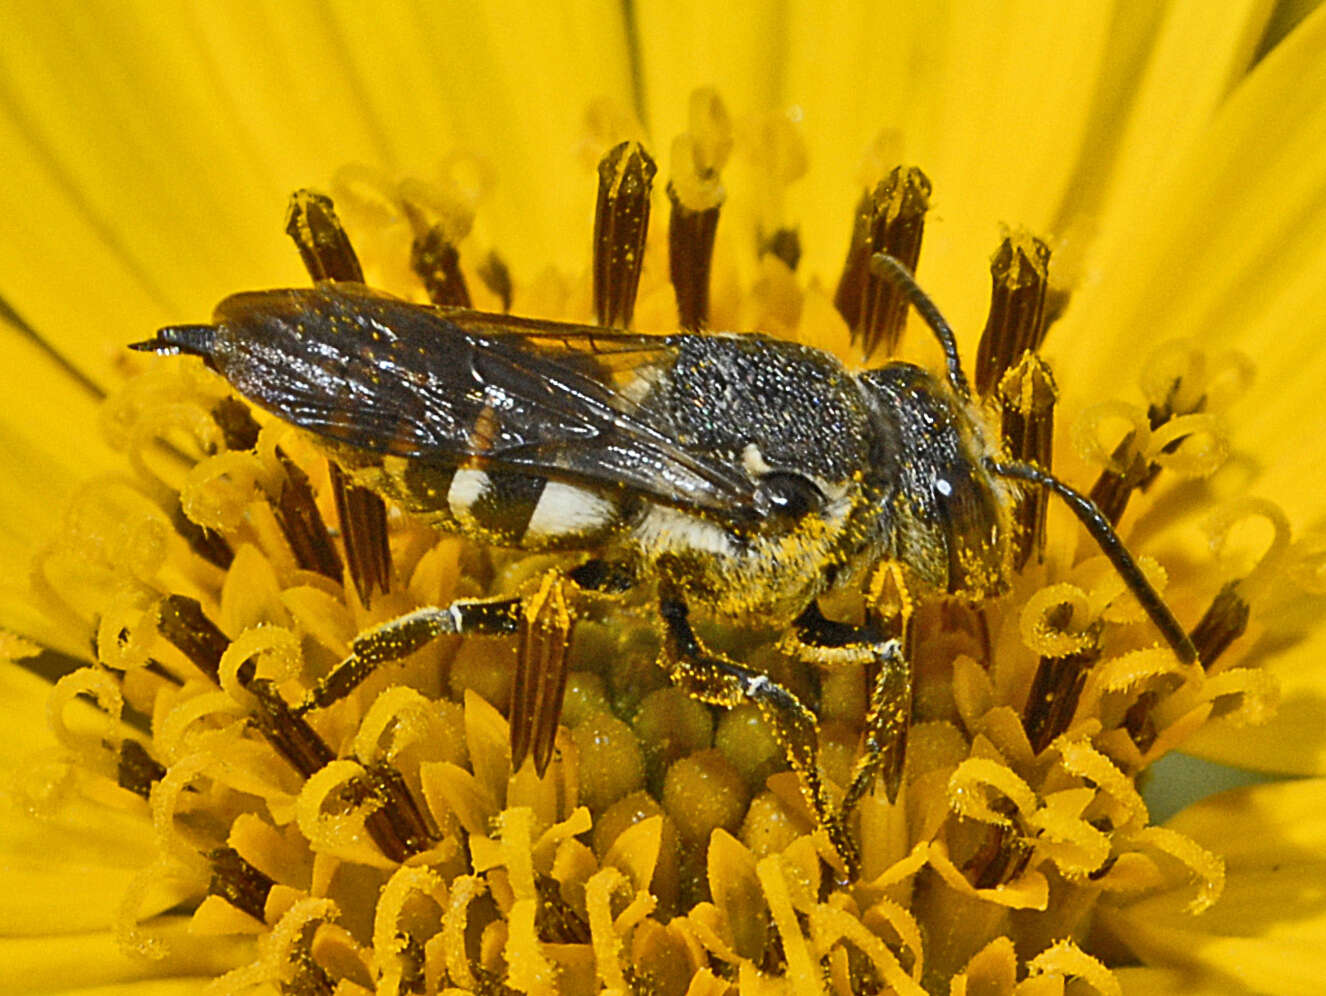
621 221
312 223
363 517
697 195
889 219
1027 395
1019 276
399 827
496 277
182 623
297 512
288 732
238 882
540 681
137 770
436 261
1055 693
1222 623
1113 489
328 255
1177 385
207 543
785 243
1060 676
1002 855
690 255
238 426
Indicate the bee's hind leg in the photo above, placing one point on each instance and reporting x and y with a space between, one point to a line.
714 679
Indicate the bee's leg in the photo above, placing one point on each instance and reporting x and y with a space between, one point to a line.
715 679
887 722
822 641
397 638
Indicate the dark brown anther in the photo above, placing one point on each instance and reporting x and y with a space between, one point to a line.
363 517
209 545
690 258
287 732
496 276
240 432
785 243
1221 624
312 222
328 255
182 623
1112 489
889 219
137 770
542 663
1140 721
436 261
306 976
621 222
1055 692
556 920
238 882
238 426
399 827
1057 686
1027 395
1019 277
297 512
1003 852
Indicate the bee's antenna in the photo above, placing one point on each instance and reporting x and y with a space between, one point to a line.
194 340
892 269
1108 540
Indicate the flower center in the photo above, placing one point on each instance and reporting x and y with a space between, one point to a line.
364 823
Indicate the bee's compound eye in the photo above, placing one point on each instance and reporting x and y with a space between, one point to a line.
788 495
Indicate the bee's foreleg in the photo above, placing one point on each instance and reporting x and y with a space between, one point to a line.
714 679
821 641
397 638
887 722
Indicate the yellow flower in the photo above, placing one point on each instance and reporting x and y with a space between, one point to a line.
190 826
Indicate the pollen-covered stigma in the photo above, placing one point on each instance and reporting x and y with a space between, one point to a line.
286 691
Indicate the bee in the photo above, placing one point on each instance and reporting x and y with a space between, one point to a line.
739 473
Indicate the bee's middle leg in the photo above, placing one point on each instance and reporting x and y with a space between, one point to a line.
544 621
716 680
397 638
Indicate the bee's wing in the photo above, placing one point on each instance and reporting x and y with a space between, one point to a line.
467 388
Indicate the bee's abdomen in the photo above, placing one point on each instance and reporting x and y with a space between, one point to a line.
503 507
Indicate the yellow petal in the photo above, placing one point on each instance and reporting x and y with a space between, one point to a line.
66 963
1228 250
1294 742
1266 932
1173 982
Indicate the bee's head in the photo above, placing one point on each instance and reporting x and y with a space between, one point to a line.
946 513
